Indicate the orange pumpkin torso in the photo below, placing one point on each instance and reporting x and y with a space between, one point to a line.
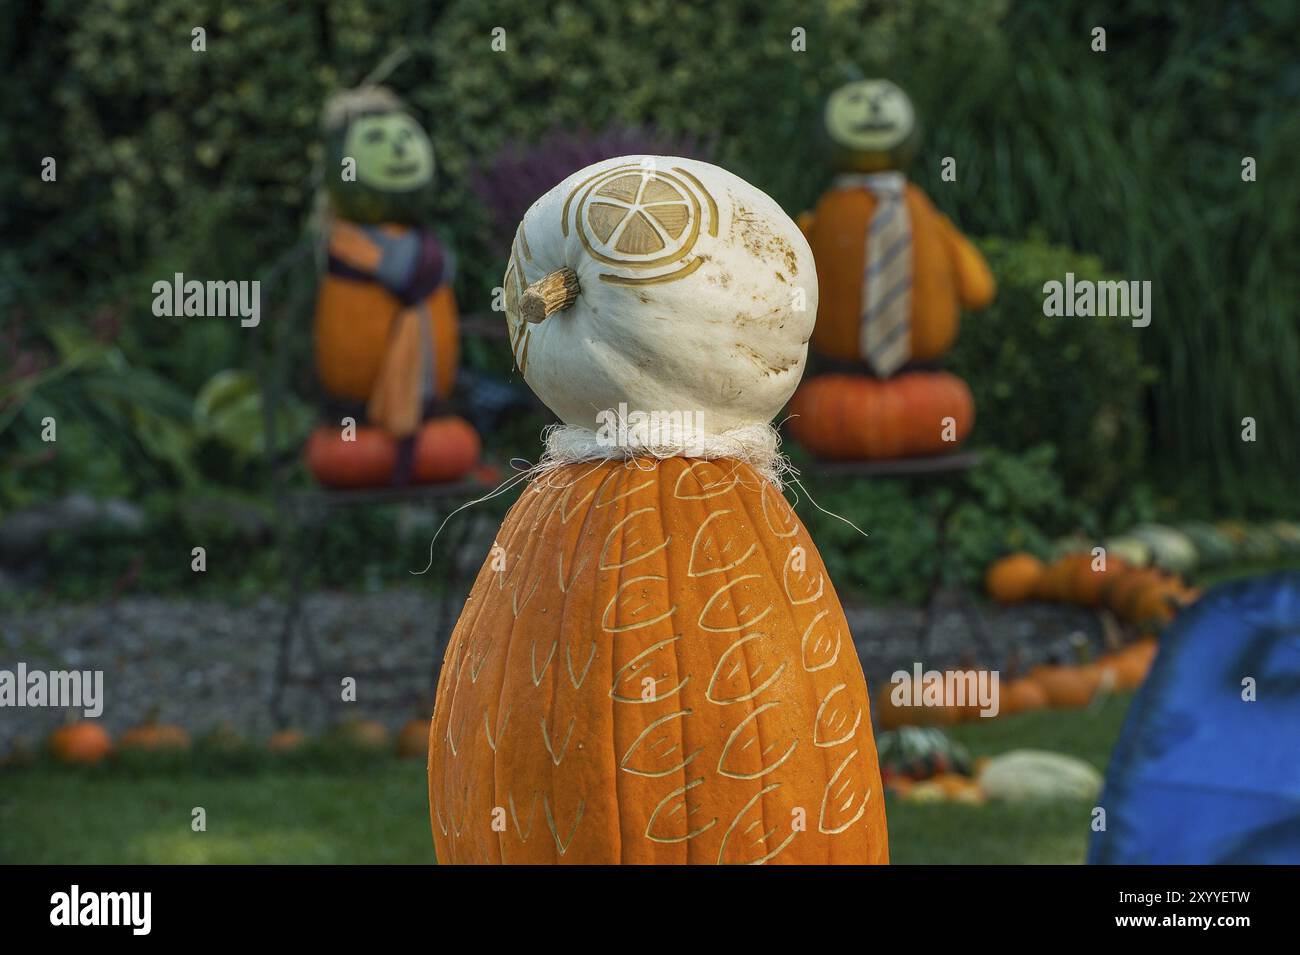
353 321
838 236
653 667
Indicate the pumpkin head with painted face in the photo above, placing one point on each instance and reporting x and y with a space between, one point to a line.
872 126
695 292
380 159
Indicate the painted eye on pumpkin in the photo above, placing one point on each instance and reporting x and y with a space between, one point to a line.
375 135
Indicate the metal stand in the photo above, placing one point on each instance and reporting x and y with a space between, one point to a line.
956 464
302 519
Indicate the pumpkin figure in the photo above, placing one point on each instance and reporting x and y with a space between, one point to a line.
386 325
894 272
653 666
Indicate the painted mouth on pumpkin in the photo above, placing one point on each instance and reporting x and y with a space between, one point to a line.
874 126
402 169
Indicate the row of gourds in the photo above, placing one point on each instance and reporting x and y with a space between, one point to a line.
1023 775
1135 576
87 743
1202 545
1048 685
893 276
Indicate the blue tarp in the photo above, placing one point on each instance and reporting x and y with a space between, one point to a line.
1200 775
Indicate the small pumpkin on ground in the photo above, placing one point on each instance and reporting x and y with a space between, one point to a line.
1027 775
222 739
154 737
286 741
1090 582
1014 578
1067 687
82 742
1021 695
1122 596
1129 664
1132 550
413 739
365 735
1155 605
1057 581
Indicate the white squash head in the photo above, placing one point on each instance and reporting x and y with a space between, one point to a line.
660 285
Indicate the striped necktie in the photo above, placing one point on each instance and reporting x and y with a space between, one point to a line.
886 341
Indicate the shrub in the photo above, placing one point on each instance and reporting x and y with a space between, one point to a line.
1074 383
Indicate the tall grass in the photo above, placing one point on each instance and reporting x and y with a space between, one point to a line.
1136 154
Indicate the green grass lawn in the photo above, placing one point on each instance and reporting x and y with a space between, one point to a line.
1049 833
317 808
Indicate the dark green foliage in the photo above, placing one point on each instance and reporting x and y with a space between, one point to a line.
1010 502
1136 155
210 164
1075 383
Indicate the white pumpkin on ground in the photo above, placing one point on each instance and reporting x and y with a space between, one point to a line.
655 284
1026 775
1132 550
1171 549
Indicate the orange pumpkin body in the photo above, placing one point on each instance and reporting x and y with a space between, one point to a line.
948 273
653 667
856 417
1014 578
81 742
353 323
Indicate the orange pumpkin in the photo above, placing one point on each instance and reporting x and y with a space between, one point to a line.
856 417
890 716
954 785
948 273
1122 596
152 736
1068 687
653 667
366 462
84 742
1090 584
286 741
359 734
1129 665
1155 604
445 449
971 708
1059 580
1014 578
1021 696
413 739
